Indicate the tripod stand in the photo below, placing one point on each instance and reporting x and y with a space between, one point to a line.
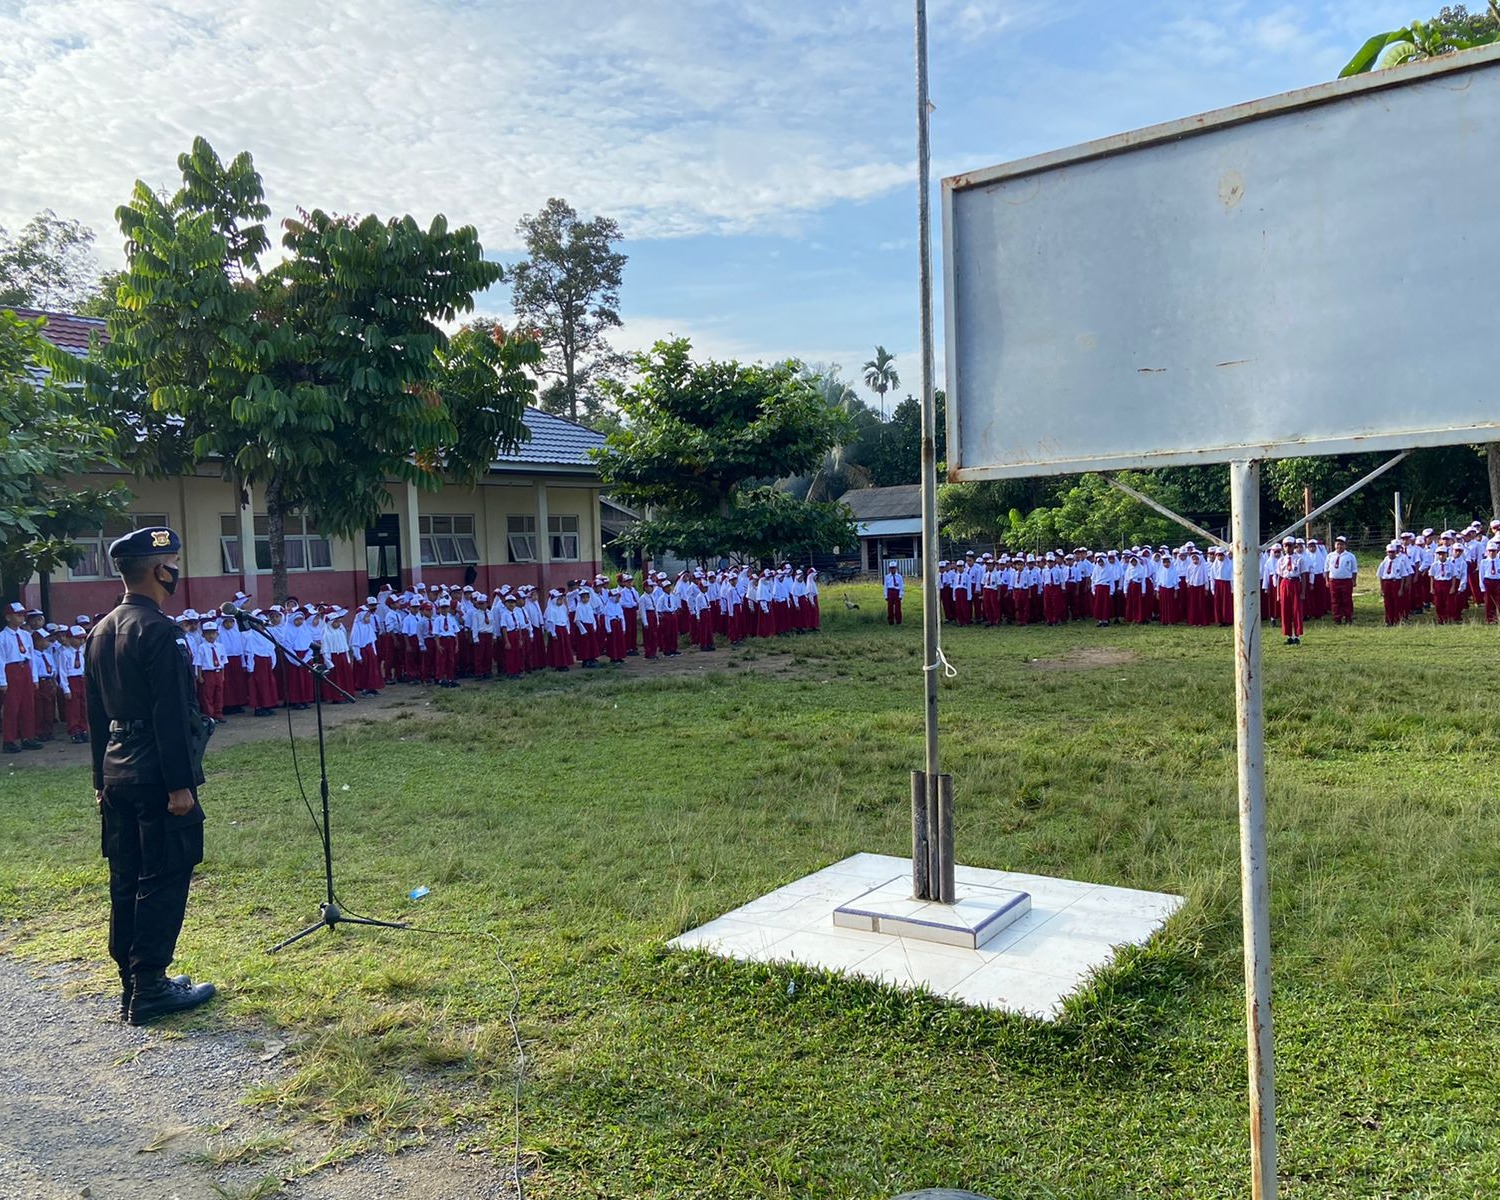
329 914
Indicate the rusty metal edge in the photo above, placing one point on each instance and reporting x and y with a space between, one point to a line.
1222 118
1354 444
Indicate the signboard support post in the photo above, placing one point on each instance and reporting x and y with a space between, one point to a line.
1255 888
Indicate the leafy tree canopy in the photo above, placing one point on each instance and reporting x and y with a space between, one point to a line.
1454 28
46 437
703 443
895 454
317 378
843 466
50 264
567 291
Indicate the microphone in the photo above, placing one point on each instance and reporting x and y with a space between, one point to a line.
242 618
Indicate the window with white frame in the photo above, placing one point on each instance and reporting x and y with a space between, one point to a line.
520 537
306 548
230 560
93 562
448 540
562 533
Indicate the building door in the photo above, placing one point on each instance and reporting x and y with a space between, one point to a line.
383 553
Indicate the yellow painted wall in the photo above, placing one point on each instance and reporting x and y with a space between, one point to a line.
194 506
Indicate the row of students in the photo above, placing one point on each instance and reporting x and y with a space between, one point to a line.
42 682
441 635
1299 579
1185 586
1443 573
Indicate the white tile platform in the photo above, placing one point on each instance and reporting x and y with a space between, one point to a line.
1030 966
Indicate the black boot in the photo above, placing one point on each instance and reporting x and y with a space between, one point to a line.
127 989
155 996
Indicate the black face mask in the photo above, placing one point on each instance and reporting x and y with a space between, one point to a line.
171 585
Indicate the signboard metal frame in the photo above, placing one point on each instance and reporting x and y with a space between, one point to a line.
1148 358
1244 466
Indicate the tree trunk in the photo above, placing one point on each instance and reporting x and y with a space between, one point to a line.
1492 460
10 585
44 596
276 532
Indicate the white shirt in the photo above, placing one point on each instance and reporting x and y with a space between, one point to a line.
556 617
1342 565
15 647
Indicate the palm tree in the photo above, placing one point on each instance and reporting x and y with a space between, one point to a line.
880 375
841 468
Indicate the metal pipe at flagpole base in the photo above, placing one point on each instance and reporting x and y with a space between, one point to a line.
921 856
929 468
1255 887
944 886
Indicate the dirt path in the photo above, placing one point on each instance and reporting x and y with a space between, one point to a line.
93 1108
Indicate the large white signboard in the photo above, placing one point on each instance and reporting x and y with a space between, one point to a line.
1310 274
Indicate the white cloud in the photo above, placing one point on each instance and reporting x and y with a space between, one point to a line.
676 118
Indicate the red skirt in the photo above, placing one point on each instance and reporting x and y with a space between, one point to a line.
368 674
342 675
236 684
263 690
513 652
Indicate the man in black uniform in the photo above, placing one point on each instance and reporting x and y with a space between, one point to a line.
147 737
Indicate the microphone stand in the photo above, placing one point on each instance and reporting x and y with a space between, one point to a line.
329 914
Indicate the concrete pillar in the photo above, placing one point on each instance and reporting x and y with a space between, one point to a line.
543 541
248 570
598 530
411 535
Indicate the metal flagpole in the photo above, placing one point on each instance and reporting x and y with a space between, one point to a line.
1255 887
928 869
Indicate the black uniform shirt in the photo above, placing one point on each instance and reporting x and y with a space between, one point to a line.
139 673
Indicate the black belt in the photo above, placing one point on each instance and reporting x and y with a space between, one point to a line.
126 728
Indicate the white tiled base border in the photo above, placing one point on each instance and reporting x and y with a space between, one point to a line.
977 915
1073 928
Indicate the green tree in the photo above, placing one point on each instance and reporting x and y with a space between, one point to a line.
1453 29
49 264
989 510
101 302
318 378
843 467
47 439
880 375
895 453
567 292
702 442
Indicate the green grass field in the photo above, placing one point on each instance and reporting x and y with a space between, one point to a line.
586 819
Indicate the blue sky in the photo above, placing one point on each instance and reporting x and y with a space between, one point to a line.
759 154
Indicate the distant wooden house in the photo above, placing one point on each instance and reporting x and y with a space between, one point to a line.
889 521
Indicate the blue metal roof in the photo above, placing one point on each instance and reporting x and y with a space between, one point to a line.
555 442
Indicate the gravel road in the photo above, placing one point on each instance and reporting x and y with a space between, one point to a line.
93 1108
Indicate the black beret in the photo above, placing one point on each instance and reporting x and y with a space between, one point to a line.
156 539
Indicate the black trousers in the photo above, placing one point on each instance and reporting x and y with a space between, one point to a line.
151 857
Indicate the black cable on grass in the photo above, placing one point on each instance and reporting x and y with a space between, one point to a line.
512 1015
512 1018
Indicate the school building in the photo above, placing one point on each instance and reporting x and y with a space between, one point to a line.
534 518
